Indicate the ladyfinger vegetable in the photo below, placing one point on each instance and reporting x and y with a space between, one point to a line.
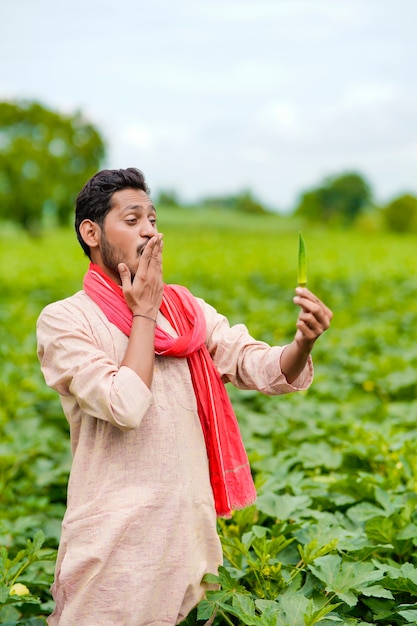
302 273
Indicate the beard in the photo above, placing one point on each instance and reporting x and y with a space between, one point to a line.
112 256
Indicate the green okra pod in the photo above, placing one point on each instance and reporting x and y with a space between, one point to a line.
302 271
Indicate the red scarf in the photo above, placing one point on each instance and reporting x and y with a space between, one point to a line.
230 475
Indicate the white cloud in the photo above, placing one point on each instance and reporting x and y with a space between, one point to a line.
241 10
280 118
368 94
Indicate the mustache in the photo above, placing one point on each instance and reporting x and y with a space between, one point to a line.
140 249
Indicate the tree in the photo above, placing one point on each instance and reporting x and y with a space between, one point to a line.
45 158
340 199
401 214
168 198
244 202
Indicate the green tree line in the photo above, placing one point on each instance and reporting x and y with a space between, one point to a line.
46 156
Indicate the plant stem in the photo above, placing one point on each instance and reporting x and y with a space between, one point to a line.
19 571
226 618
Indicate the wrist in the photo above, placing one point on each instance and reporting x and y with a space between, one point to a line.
146 317
303 345
143 310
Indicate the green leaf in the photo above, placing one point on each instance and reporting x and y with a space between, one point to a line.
402 579
409 615
363 511
4 592
37 543
319 454
382 530
227 582
381 609
344 578
260 531
268 606
409 532
267 549
211 579
294 607
245 618
314 615
376 591
385 500
313 551
243 603
206 609
9 614
282 507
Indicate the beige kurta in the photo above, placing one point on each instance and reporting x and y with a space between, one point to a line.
139 532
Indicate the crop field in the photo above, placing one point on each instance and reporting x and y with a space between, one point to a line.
332 538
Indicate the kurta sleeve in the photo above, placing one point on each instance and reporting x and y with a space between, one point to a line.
246 362
75 364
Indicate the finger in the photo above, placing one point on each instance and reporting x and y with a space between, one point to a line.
311 326
157 249
311 306
306 332
306 294
319 310
308 301
315 323
148 253
156 254
125 276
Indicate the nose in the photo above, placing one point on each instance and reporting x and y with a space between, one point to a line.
147 228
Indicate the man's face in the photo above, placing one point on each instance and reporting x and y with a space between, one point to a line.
127 228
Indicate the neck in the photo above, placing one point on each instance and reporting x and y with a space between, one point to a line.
112 274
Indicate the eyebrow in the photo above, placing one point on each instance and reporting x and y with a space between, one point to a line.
136 207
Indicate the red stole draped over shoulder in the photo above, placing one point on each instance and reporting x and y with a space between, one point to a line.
230 475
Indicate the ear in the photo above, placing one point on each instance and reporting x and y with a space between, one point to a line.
90 232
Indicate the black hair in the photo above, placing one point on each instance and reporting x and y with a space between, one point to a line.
95 199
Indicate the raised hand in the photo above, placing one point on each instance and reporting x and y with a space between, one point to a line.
143 294
314 318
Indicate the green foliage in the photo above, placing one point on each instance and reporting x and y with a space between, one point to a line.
333 535
168 198
401 214
18 603
338 200
45 158
244 202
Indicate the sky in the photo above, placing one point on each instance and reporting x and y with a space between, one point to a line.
213 97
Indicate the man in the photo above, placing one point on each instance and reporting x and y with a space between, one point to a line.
140 368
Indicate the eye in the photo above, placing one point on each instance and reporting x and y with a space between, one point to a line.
131 220
152 221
